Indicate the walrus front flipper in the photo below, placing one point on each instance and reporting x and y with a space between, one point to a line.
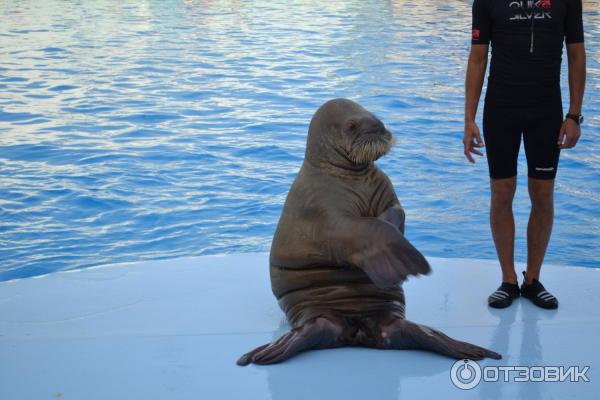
405 335
319 333
380 250
395 216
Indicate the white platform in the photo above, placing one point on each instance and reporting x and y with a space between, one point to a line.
174 329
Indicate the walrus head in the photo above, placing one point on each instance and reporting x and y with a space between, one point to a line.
344 134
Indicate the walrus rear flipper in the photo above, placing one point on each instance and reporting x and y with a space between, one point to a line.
320 333
401 334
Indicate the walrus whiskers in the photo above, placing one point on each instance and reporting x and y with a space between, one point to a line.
370 149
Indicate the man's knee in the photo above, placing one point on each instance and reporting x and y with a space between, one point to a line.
541 193
503 192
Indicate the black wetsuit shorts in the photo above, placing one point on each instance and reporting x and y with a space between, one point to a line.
523 97
503 128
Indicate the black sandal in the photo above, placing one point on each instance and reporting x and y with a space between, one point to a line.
538 295
504 295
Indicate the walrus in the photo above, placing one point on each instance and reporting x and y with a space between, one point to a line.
339 254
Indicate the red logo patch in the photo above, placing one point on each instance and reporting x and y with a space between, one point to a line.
546 4
475 34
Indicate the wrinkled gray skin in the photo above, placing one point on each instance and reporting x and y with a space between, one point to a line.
339 253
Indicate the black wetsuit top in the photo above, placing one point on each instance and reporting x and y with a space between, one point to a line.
523 73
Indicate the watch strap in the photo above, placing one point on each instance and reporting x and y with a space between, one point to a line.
576 118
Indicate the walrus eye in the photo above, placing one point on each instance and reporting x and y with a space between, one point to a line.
351 125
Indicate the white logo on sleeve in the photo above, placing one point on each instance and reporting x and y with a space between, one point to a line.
545 169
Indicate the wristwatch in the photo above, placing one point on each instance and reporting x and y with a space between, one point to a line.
576 118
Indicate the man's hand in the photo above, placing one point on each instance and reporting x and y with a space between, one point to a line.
471 140
570 131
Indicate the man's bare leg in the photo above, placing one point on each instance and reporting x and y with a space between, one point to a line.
502 223
539 229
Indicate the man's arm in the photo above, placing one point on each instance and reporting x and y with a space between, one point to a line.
570 130
577 72
473 83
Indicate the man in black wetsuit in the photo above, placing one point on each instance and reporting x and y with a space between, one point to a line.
523 99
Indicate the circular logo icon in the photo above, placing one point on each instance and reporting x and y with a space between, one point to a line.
465 374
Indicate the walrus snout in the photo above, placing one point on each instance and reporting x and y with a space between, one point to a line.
383 133
365 125
377 127
373 126
369 139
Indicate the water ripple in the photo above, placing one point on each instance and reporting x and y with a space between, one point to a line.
165 129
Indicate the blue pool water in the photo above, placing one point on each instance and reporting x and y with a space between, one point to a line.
160 129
